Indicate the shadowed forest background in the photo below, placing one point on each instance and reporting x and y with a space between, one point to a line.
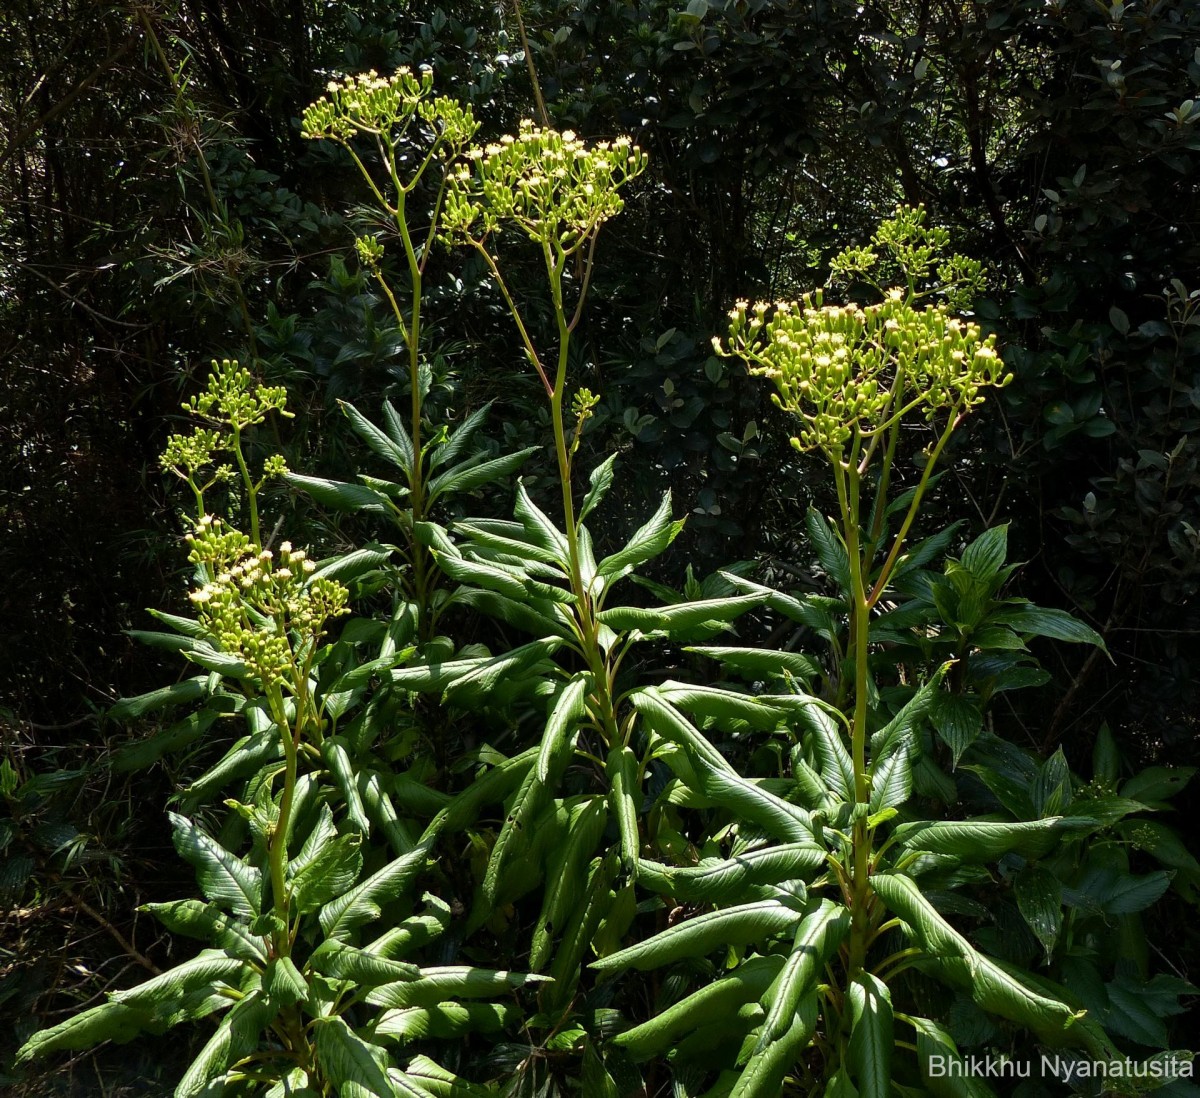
159 209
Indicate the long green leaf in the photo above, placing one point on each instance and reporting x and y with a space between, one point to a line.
459 439
761 661
646 544
943 1070
570 706
469 475
817 937
566 876
600 480
445 1021
992 987
448 983
208 967
713 701
355 1067
891 780
111 1021
337 757
712 1003
978 841
180 693
869 1052
741 925
340 495
767 1069
785 821
680 617
361 903
223 876
624 795
237 1035
209 923
516 831
830 549
1039 621
833 758
716 881
395 446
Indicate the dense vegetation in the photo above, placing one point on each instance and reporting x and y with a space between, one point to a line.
544 701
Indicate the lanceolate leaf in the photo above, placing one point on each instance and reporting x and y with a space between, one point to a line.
448 983
680 617
600 479
942 1068
471 474
765 1073
460 438
646 544
180 693
489 788
225 878
340 495
751 802
359 905
207 968
712 1003
1039 897
669 723
987 840
362 968
711 701
992 987
830 550
209 923
445 1021
624 795
761 661
903 726
568 710
1042 622
516 831
833 759
891 780
697 937
395 446
567 875
112 1021
817 937
356 1068
337 758
539 528
870 1049
719 882
237 1035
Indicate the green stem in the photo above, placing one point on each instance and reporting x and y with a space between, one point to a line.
885 572
248 481
277 854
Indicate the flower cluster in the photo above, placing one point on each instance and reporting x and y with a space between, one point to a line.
260 606
848 368
555 188
372 104
906 249
233 398
187 455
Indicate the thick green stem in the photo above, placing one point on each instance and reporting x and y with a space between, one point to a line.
277 854
248 481
589 627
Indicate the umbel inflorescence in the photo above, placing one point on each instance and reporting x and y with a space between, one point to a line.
854 370
553 186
